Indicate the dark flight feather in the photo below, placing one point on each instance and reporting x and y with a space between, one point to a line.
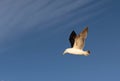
72 38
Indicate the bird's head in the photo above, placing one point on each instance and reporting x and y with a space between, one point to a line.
65 52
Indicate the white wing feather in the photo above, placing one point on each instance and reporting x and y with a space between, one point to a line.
80 39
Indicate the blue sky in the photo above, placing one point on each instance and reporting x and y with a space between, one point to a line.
34 34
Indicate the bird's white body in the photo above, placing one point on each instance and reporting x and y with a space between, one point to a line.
75 51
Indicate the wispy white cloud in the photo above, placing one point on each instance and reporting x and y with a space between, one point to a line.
2 80
19 17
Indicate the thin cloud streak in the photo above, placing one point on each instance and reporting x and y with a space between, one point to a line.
20 17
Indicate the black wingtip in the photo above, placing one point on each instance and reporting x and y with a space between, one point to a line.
86 28
72 38
73 31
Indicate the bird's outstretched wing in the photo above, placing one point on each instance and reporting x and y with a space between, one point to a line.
72 38
80 39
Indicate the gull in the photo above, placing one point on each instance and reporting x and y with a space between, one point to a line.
77 43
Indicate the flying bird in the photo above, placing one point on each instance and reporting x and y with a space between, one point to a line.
77 43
